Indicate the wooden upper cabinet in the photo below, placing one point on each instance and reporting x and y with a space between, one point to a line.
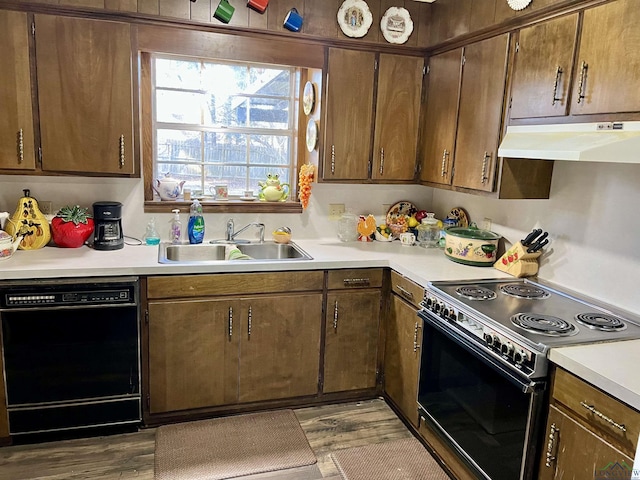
439 127
85 95
608 60
480 113
349 118
16 121
397 117
543 65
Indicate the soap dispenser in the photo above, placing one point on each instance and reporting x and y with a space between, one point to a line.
175 227
151 236
196 223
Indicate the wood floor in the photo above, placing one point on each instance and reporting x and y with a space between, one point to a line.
130 456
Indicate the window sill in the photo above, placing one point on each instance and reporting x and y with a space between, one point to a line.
230 206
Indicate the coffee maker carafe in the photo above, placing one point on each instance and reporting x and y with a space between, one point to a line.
108 226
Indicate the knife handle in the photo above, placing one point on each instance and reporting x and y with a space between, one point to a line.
537 246
529 238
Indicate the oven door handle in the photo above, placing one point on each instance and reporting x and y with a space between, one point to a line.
525 386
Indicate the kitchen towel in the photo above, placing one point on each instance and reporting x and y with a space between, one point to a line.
404 459
231 447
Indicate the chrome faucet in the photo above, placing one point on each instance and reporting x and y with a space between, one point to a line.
231 234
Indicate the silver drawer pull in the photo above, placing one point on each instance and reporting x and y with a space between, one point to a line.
405 293
356 282
601 415
335 316
550 445
230 322
415 337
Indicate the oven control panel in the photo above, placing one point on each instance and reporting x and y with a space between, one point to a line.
504 347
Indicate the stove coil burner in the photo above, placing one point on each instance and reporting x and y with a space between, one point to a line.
544 324
475 292
523 290
601 321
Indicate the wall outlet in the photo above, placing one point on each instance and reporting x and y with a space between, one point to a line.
46 207
336 210
486 224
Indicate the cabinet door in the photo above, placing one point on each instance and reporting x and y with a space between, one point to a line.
280 347
193 354
16 121
480 116
85 95
439 128
402 357
608 60
570 451
351 340
397 117
542 71
347 149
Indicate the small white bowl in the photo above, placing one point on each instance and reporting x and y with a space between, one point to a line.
381 238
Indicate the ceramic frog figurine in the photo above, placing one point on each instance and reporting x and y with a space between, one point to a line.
272 190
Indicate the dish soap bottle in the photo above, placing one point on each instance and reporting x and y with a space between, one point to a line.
175 227
196 223
151 236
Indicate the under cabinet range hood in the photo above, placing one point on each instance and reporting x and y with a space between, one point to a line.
610 142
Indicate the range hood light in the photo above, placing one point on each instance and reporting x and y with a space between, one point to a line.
609 142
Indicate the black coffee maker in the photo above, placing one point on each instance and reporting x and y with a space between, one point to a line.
107 217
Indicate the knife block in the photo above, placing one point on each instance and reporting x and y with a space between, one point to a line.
517 262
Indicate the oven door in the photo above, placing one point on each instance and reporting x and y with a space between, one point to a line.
481 408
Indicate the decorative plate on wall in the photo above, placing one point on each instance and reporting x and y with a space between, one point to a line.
312 135
354 18
396 25
308 98
518 4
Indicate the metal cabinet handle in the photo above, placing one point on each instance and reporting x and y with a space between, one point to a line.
356 282
601 415
335 316
249 323
121 151
230 322
583 76
20 146
551 444
559 72
485 161
381 161
445 157
405 293
415 337
333 159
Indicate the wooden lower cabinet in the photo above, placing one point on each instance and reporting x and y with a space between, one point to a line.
224 351
279 347
402 357
572 452
193 354
351 343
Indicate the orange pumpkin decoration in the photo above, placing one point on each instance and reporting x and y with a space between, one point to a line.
366 228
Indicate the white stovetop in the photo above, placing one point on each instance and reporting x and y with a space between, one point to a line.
590 362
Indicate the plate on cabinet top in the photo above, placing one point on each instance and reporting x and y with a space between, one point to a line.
354 18
396 25
518 4
401 212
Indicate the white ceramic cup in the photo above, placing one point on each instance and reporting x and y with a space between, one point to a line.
407 239
248 193
220 192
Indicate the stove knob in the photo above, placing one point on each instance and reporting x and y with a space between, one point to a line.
437 307
507 348
520 356
492 340
452 315
445 313
429 302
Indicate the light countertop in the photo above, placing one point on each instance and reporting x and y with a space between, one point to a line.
590 362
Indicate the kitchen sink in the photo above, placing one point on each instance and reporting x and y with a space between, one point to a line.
206 253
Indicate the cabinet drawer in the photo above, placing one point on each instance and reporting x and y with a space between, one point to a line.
618 422
180 286
355 278
407 289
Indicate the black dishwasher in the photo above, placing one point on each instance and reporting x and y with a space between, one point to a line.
71 353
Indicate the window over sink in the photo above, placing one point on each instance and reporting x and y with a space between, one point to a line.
225 123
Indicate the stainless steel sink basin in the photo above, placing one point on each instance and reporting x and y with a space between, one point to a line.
206 253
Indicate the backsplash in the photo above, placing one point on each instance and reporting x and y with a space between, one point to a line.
590 217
